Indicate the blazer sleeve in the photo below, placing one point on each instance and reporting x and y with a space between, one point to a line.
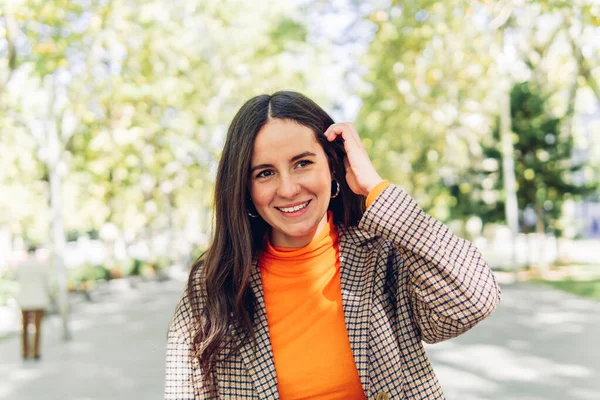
179 374
450 286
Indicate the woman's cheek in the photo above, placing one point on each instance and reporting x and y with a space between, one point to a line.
263 194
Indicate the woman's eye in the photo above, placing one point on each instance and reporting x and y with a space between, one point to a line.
304 163
264 174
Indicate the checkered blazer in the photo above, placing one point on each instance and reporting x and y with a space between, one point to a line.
405 279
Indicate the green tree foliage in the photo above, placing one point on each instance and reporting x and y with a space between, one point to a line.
140 94
428 90
436 72
546 167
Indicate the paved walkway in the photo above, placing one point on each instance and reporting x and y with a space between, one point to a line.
540 344
117 351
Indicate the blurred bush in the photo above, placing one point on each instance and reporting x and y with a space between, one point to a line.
8 289
84 277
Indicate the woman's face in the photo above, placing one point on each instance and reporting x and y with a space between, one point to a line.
290 182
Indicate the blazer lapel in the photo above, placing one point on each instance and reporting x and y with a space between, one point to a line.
357 281
259 360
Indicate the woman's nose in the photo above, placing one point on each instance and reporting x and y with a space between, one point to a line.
288 187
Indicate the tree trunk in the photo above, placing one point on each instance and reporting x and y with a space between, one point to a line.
540 228
5 245
511 208
57 228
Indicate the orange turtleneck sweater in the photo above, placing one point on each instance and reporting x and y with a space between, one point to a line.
303 299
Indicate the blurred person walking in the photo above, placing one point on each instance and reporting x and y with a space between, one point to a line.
33 298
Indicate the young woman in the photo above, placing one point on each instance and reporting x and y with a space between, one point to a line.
322 280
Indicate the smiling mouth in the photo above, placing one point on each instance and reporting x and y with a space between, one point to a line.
293 209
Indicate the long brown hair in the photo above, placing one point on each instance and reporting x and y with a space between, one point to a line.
222 274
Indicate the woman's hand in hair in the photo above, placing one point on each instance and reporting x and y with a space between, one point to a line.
360 172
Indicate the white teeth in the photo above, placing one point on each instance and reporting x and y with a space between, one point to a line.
293 209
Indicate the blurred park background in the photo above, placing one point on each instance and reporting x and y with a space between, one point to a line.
113 114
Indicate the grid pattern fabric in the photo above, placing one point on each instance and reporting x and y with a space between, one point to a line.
405 279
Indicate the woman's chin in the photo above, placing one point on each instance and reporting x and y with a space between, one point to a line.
300 235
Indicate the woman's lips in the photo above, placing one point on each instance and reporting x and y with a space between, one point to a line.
296 211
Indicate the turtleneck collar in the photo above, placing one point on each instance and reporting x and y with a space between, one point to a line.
293 260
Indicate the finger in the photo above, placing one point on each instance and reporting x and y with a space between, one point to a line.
345 130
352 142
330 133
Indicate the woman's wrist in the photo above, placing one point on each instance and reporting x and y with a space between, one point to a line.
376 191
369 188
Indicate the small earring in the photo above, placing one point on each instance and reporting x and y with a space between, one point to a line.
251 209
337 189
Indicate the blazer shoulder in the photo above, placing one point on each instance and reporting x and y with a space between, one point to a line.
358 237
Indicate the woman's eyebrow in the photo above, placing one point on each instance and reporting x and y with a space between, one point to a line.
302 155
295 158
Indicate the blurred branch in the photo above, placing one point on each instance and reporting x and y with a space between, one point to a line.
541 50
544 49
567 125
10 25
584 67
76 97
501 20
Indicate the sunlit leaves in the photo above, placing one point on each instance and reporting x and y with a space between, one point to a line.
149 88
436 72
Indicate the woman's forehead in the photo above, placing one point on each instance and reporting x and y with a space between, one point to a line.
280 139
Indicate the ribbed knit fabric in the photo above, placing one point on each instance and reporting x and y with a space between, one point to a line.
376 191
303 299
